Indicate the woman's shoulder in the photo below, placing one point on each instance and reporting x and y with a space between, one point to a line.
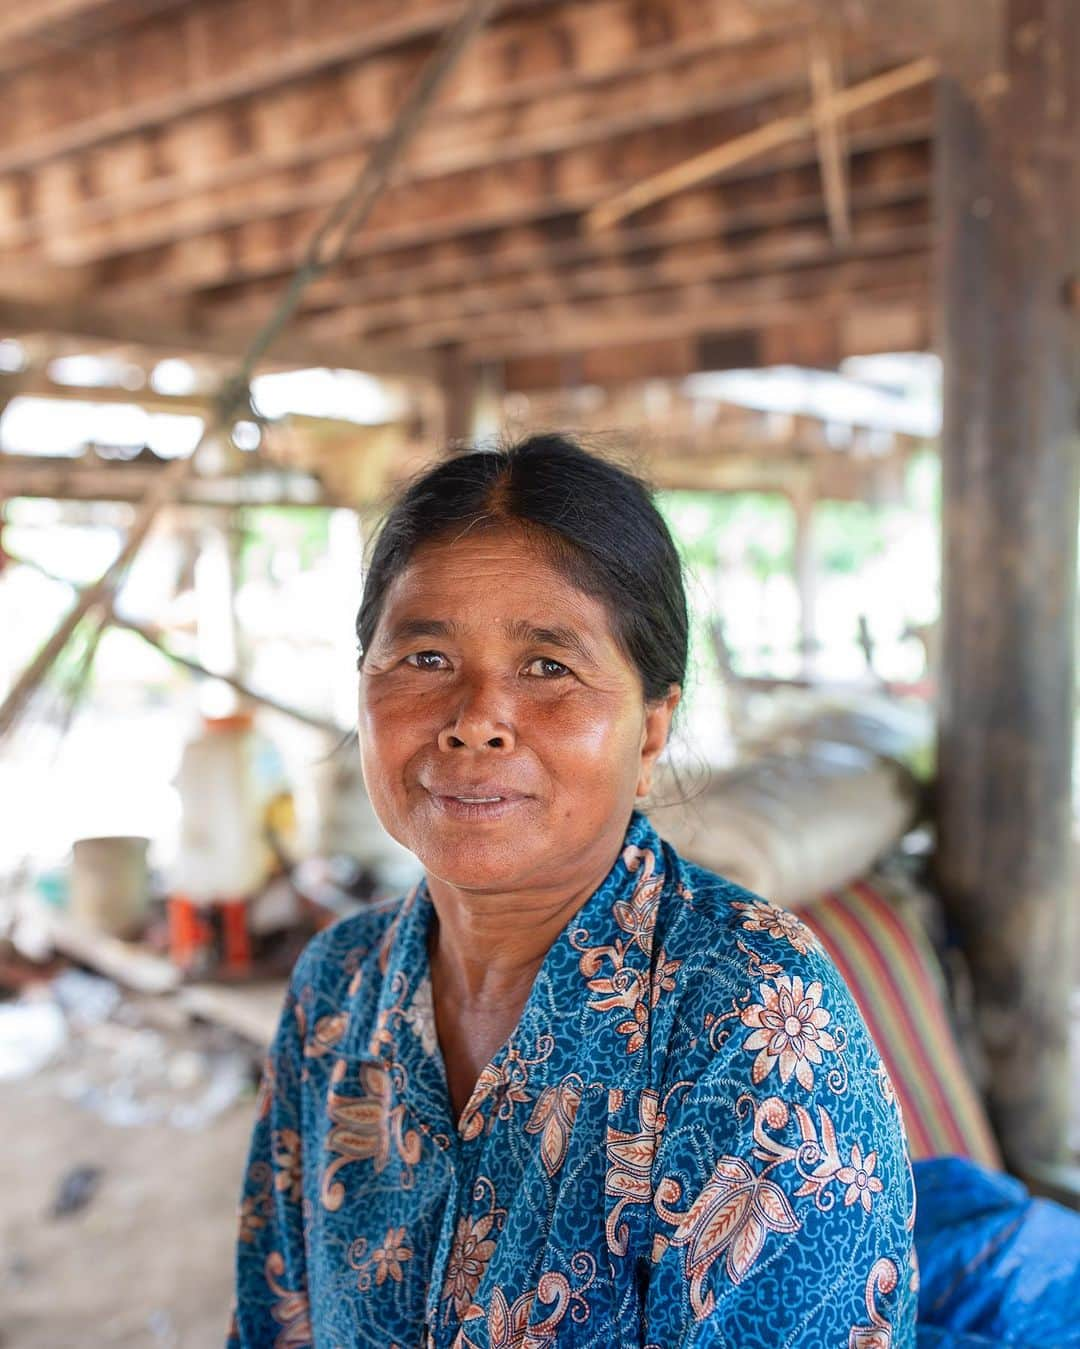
735 949
712 913
335 959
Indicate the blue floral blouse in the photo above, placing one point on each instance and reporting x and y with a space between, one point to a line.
689 1139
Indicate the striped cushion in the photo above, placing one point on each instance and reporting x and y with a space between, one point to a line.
887 962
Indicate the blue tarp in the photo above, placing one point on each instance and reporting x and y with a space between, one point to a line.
996 1266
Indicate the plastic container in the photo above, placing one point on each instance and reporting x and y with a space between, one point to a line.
223 852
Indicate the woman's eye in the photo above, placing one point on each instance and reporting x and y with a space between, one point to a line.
545 668
427 660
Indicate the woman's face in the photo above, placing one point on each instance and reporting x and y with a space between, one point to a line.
504 734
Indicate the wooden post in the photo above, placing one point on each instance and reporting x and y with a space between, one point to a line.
459 386
1008 196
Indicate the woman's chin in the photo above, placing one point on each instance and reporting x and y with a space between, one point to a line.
479 864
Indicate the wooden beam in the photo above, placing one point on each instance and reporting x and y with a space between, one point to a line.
829 132
1009 200
213 168
477 138
886 176
31 33
699 305
536 188
458 385
213 52
59 479
885 233
168 333
35 383
722 158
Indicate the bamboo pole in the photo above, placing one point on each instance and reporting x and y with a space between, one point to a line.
732 153
153 635
829 130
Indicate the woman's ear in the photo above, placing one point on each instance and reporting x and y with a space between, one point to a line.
655 734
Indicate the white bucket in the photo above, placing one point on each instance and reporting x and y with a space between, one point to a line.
109 884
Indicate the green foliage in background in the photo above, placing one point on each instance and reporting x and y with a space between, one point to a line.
303 530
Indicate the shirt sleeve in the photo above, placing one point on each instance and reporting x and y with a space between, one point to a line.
783 1203
271 1299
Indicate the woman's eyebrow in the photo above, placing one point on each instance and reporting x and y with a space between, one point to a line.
410 628
565 639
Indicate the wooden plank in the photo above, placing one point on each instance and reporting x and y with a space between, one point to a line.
884 233
672 308
129 963
830 133
168 332
889 176
1009 200
30 33
251 1010
907 305
62 479
216 51
158 184
534 188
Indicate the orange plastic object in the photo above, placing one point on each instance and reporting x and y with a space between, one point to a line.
236 955
190 935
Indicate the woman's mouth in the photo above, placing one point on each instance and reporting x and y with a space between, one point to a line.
477 806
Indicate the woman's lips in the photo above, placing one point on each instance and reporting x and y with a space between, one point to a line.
477 805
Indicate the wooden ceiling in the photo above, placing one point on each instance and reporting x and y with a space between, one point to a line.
164 162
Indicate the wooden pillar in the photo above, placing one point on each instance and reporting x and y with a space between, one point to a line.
458 380
1008 200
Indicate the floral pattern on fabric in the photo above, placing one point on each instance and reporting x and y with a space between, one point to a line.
686 1141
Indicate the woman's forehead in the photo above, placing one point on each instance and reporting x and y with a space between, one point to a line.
490 577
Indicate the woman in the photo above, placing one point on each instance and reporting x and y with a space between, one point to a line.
573 1090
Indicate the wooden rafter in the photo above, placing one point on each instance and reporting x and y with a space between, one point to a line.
171 334
293 169
214 52
889 232
829 132
693 307
162 196
534 188
437 271
708 165
221 153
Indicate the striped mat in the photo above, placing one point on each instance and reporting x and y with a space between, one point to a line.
887 962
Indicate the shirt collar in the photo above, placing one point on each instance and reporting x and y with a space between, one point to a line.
586 986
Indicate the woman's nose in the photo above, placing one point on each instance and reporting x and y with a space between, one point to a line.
480 721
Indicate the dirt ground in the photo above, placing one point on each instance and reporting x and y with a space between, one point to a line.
147 1263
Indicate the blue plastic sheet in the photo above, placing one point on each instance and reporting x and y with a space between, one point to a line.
996 1266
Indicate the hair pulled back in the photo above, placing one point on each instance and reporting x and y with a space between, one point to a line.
594 521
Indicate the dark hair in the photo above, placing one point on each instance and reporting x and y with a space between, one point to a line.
597 522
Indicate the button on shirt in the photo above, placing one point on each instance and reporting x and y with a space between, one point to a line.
688 1140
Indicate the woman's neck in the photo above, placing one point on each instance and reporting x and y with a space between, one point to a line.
485 952
486 949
